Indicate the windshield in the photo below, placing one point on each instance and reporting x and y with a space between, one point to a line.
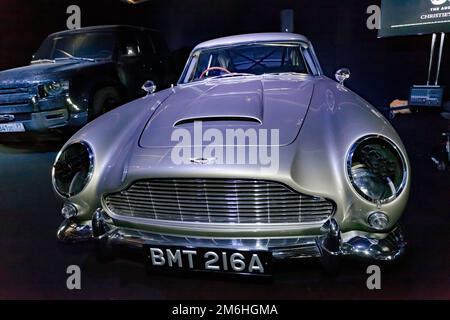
248 59
99 45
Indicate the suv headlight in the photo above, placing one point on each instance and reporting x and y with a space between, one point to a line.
377 169
73 169
54 88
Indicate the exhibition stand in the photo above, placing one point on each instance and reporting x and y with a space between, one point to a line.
419 17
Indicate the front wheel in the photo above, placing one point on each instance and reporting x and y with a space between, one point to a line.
104 100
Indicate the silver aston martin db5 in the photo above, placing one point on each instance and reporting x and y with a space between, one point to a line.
254 156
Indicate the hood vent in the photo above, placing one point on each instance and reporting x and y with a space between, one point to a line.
218 119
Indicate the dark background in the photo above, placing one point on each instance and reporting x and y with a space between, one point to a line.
382 69
33 264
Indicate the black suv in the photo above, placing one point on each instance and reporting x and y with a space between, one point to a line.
79 74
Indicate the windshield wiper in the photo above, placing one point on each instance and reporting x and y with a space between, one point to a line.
76 58
233 74
42 61
285 73
69 56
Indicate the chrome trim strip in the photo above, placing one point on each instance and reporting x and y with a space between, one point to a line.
213 227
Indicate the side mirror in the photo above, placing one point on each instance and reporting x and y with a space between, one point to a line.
342 75
149 86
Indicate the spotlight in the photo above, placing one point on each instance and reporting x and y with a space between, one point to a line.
134 1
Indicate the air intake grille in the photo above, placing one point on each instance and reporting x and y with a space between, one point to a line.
218 201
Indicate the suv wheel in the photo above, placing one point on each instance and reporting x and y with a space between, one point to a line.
104 100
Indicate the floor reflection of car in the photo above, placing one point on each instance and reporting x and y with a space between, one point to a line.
79 74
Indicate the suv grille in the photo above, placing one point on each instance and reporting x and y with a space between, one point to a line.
16 99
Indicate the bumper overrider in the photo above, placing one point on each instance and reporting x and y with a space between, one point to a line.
330 246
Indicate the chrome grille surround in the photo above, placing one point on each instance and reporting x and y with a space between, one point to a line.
218 201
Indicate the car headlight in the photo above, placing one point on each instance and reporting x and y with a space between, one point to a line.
54 88
377 169
73 169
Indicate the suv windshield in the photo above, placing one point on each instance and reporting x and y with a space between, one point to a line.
99 45
248 59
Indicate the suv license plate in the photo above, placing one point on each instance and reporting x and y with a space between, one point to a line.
12 127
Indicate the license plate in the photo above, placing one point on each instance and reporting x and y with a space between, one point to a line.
209 259
12 127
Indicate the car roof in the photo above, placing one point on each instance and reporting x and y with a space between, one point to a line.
252 37
102 28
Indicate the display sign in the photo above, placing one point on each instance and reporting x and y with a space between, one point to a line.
412 17
426 96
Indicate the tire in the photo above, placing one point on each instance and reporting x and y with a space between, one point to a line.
103 101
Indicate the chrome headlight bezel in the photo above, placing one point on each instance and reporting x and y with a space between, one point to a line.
89 170
398 153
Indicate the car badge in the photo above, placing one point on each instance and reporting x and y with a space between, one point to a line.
203 160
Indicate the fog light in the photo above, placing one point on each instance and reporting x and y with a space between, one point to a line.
378 220
69 211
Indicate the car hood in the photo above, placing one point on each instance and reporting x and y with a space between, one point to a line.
37 72
258 102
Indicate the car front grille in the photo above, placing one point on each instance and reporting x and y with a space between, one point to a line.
218 201
16 99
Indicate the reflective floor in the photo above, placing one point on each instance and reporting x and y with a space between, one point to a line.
33 264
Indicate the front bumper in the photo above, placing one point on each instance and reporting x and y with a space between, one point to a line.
45 120
330 245
41 114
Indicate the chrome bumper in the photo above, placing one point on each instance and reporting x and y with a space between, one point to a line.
329 246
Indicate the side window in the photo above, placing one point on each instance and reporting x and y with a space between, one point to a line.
129 45
159 43
147 44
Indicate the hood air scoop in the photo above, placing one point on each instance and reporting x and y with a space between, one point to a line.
240 119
